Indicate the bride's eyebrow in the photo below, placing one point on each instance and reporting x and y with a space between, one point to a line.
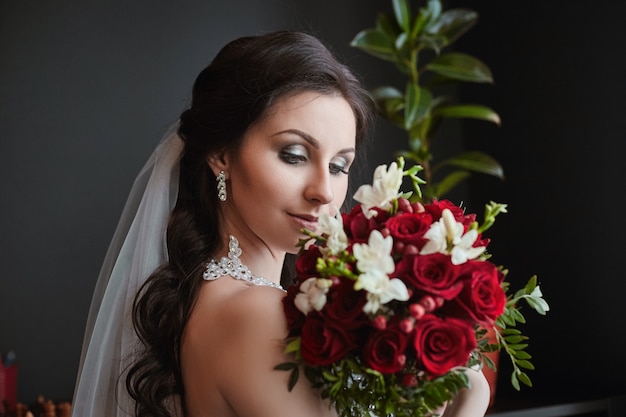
311 140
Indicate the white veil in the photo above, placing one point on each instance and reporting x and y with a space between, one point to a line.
137 249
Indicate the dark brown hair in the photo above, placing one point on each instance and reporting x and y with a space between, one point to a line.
236 90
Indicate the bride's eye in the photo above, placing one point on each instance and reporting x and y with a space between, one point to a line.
339 166
293 155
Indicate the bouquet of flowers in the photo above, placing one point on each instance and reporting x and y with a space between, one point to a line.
393 300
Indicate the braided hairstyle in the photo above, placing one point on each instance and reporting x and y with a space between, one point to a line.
236 90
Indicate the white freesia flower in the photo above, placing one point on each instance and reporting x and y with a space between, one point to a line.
375 263
384 188
312 295
375 255
380 290
333 227
446 236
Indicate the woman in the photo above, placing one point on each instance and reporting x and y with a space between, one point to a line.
268 141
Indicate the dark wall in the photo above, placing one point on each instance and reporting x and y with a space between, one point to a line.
559 69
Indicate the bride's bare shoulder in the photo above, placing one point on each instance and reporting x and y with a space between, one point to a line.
243 333
233 311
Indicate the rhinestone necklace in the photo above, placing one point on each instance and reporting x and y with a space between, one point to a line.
232 266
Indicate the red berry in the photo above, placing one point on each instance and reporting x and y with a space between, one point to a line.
380 322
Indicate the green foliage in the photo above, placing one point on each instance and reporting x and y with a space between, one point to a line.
355 390
416 42
511 340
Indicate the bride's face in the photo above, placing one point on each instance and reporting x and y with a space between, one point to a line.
292 166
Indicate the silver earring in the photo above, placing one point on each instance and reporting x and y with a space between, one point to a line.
221 186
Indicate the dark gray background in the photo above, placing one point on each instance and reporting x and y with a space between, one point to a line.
88 87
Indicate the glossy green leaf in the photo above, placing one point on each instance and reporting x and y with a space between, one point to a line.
390 103
376 43
285 366
475 161
461 67
403 14
417 103
386 24
469 111
426 17
452 24
449 182
293 379
381 93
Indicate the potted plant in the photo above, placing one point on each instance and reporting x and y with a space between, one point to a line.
416 43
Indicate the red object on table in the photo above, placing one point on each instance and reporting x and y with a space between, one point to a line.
8 387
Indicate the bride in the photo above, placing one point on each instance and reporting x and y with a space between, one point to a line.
264 149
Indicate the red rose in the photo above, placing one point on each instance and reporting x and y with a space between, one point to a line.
306 263
442 344
344 305
437 207
434 274
482 297
385 349
295 318
358 227
322 343
409 228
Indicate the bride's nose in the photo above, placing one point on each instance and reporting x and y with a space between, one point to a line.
319 189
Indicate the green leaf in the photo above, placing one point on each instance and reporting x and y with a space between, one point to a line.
471 111
519 346
417 102
531 284
329 376
293 346
403 14
390 100
285 366
401 41
525 364
293 379
515 381
525 379
449 182
461 67
386 24
452 24
515 338
518 316
520 354
475 161
375 42
490 364
426 17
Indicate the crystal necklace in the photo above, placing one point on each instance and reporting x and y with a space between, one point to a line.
232 266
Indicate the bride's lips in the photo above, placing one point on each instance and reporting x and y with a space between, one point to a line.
305 221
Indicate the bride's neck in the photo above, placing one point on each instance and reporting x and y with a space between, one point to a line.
258 257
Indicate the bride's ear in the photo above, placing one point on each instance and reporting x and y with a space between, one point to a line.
219 162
